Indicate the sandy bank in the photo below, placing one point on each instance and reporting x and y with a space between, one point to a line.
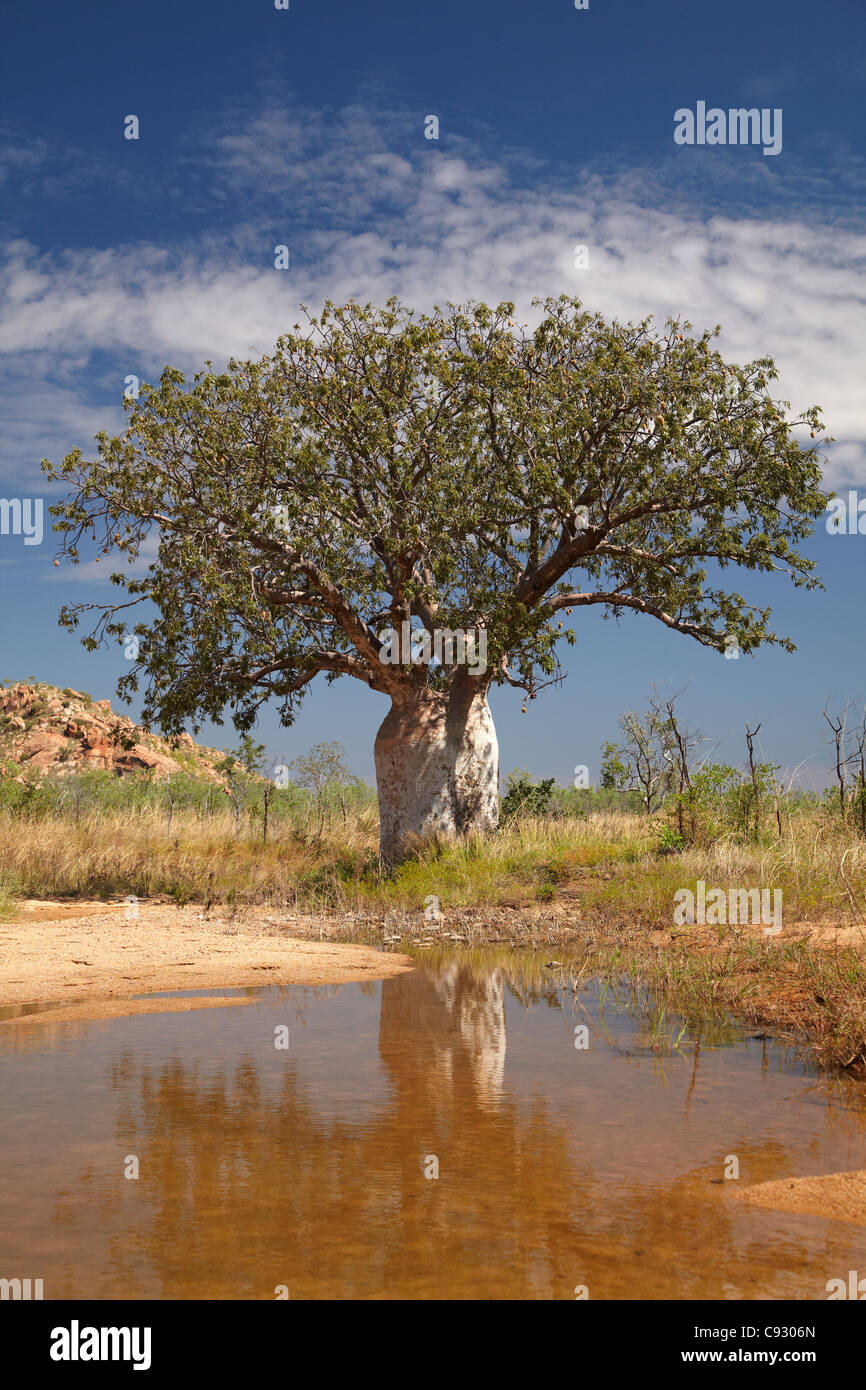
839 1196
103 956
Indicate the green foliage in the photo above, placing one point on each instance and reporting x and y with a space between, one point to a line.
670 841
75 796
614 768
524 797
644 762
449 466
581 801
83 793
249 754
322 767
750 797
722 800
324 773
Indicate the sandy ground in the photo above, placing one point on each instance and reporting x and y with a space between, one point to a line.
92 958
839 1196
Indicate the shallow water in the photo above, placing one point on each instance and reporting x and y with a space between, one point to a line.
308 1167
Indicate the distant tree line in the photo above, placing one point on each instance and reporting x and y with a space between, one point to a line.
661 766
306 794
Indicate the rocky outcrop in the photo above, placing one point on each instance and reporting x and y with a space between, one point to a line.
60 732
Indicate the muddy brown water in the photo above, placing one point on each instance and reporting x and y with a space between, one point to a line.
311 1169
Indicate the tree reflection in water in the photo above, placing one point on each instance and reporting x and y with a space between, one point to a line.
249 1181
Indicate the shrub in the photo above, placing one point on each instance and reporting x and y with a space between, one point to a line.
670 840
523 797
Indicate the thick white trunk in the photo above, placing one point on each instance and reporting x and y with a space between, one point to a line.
437 769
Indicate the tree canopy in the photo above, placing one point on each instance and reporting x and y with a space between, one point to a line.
451 470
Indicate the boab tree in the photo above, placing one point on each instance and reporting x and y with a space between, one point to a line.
385 476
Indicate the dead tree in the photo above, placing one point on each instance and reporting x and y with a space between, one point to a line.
838 726
858 759
751 735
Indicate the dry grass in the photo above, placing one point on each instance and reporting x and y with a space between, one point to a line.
607 860
194 859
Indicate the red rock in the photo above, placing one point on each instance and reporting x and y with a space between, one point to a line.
68 735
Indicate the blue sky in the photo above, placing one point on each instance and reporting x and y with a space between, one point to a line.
306 127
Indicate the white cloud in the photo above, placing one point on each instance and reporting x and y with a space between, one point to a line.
428 224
